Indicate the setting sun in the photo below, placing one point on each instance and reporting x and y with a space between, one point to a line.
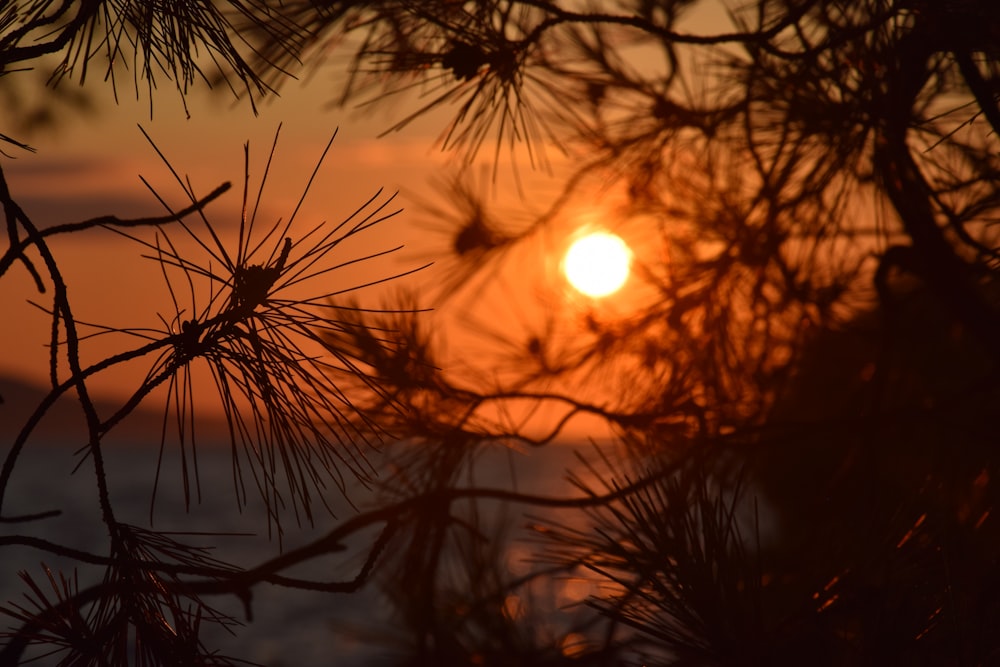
597 264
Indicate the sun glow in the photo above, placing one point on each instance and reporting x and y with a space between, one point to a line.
597 264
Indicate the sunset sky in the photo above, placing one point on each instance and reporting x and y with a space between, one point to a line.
90 164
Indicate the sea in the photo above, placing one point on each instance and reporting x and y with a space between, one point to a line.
289 626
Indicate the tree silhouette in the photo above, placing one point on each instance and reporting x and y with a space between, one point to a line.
801 387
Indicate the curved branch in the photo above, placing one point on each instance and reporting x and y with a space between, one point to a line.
13 54
16 250
559 16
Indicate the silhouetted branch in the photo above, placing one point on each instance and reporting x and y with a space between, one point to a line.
16 251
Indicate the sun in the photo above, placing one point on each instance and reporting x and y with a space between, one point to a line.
597 264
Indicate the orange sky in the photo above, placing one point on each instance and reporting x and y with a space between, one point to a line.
91 164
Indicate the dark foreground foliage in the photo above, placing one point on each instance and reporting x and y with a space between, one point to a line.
801 387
